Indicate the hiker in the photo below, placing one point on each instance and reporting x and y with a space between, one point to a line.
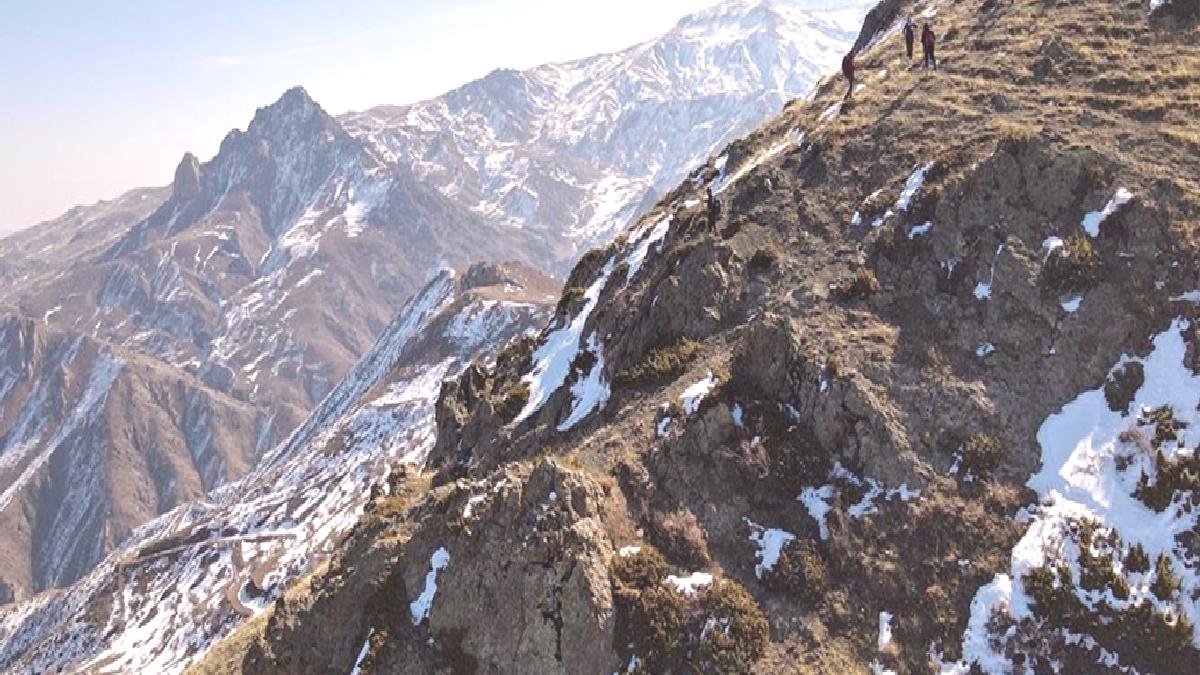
910 35
848 71
928 43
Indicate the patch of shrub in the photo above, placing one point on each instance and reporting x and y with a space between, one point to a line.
653 625
719 629
800 571
1166 584
863 285
680 535
982 454
512 400
1136 560
1123 385
1096 571
570 298
764 258
659 364
734 633
1016 137
1146 638
1181 475
1166 425
1073 268
515 354
644 569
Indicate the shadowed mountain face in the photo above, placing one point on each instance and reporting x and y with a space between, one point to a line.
260 276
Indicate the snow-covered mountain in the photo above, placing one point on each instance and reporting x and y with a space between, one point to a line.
264 273
574 150
189 578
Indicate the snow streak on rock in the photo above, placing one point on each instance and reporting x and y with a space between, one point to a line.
424 602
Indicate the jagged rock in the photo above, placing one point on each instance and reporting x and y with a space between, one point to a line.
187 179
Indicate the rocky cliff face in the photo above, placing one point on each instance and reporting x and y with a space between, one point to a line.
918 393
264 273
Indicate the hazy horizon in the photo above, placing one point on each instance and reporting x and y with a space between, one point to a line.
112 95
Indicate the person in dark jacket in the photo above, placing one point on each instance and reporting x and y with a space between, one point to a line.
910 36
928 44
848 71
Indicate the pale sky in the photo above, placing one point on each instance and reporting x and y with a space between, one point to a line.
104 96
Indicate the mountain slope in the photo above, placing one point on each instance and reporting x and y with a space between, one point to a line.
236 550
920 397
97 441
265 272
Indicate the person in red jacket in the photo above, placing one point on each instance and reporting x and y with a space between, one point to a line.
928 43
848 71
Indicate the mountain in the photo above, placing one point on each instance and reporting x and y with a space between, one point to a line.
236 550
260 276
574 150
918 393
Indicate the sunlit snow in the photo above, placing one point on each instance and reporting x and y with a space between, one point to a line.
420 607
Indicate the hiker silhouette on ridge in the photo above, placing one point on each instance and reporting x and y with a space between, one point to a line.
848 71
928 45
910 36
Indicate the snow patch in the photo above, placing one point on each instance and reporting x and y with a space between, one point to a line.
663 425
1092 221
589 393
552 360
770 544
688 585
920 230
362 653
816 500
694 395
420 607
885 631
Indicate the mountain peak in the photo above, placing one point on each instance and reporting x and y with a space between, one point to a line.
187 177
294 106
741 16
